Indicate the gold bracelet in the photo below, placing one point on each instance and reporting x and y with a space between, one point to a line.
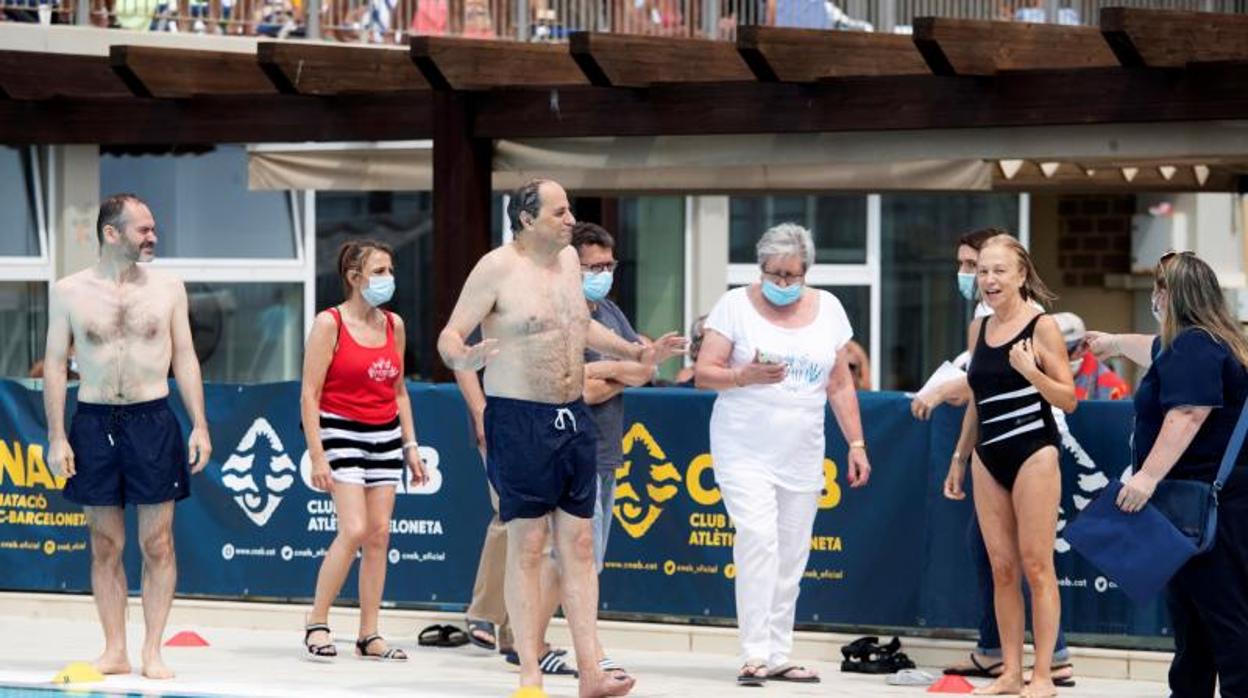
860 444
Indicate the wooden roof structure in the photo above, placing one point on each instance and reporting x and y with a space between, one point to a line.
1138 66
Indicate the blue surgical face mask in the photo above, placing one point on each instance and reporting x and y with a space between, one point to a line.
596 285
966 284
380 289
781 295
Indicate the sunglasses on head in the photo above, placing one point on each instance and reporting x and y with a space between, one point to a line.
1173 253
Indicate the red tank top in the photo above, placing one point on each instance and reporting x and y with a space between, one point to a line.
359 384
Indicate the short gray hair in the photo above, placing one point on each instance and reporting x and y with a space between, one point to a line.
527 198
787 239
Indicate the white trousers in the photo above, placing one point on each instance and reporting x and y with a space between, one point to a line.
773 527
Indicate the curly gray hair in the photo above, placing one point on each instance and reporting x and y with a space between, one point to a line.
787 239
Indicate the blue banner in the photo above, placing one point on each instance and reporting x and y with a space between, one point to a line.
894 553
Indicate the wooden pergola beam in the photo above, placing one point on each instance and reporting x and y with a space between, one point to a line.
462 179
806 55
1159 38
1199 92
323 69
233 119
176 73
37 75
480 64
977 47
621 60
1033 98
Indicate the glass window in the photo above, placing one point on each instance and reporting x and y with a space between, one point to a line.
404 221
20 235
202 206
838 224
857 303
24 315
924 318
247 332
650 279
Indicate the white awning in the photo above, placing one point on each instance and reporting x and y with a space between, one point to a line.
698 164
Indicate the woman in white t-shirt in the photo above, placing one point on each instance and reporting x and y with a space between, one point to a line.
774 351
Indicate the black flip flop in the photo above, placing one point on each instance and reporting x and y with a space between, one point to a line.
442 636
977 670
482 626
430 636
782 674
754 675
1065 681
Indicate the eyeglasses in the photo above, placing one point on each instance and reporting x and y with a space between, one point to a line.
599 268
786 278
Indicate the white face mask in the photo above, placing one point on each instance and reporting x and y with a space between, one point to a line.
1156 308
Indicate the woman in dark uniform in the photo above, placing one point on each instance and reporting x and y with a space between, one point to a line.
1185 410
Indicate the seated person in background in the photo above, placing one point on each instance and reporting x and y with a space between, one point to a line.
859 365
71 366
684 377
1093 379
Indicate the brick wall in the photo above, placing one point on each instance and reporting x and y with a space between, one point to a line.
1094 237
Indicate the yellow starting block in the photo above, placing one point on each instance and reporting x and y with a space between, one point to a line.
529 692
78 672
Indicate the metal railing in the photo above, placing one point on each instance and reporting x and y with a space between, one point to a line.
392 21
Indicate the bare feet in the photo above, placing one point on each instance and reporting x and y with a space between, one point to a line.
1003 686
611 683
1039 689
154 667
112 663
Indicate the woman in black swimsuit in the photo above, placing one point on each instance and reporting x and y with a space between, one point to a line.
1018 370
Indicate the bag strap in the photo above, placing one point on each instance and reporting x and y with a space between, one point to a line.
1232 449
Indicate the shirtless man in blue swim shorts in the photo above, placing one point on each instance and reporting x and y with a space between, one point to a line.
540 438
129 324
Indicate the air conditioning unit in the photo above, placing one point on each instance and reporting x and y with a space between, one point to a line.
1152 236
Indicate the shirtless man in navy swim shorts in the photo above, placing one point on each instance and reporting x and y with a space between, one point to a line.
129 324
540 438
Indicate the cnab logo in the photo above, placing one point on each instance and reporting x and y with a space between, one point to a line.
258 472
645 480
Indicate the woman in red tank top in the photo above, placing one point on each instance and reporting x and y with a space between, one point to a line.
357 418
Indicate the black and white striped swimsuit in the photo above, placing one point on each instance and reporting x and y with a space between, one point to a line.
363 454
1015 420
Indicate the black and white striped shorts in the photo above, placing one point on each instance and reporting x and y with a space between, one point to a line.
363 454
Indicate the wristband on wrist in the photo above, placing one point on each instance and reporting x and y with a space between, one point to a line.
859 444
410 444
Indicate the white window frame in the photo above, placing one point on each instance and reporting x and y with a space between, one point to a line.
301 269
834 275
35 267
